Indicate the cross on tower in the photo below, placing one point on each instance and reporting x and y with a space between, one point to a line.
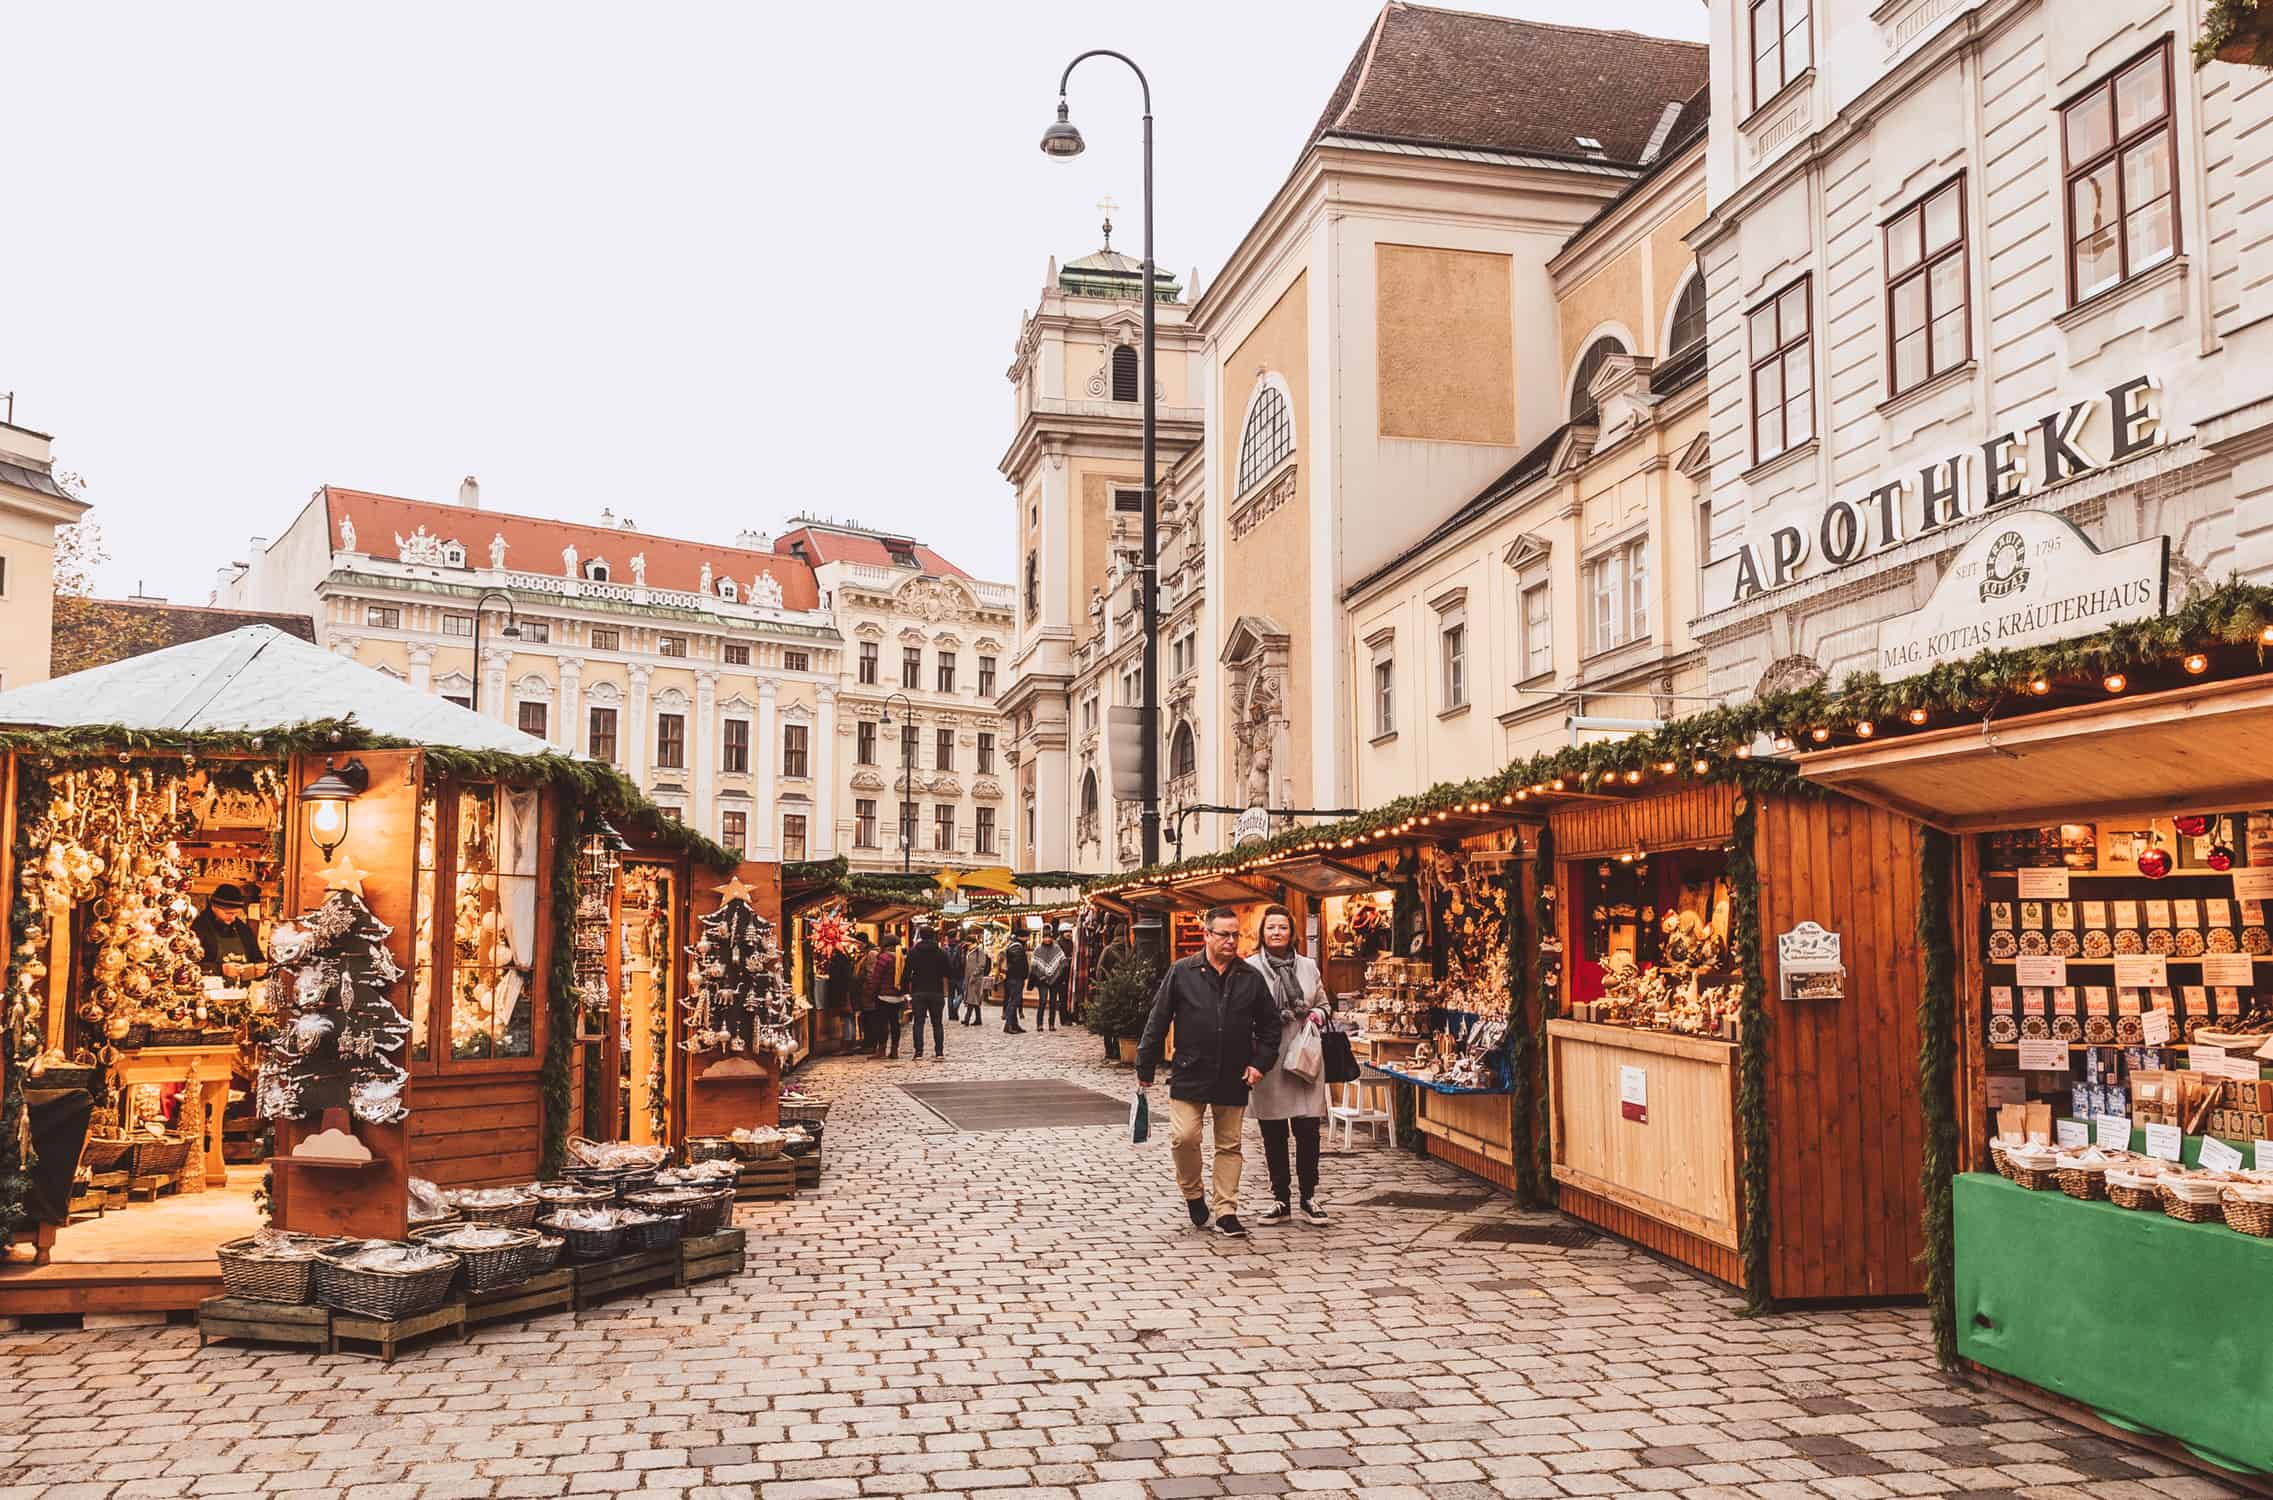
1106 206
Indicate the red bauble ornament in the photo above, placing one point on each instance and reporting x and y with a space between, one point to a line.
2154 863
2193 825
2221 858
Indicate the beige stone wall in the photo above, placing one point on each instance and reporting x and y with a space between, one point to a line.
1613 295
1670 263
27 602
1446 340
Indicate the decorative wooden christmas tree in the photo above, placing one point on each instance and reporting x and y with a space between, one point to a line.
338 1047
740 999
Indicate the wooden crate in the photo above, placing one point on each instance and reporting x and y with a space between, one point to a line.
390 1334
547 1291
263 1322
709 1256
808 1169
638 1271
766 1179
150 1189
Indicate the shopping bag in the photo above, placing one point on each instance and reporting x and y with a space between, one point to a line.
1307 1057
1140 1119
1341 1057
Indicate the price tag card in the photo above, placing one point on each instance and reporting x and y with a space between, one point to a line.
2217 1156
2127 914
2032 1002
2044 883
2219 910
2254 884
2071 1134
2242 1069
2186 911
2201 1059
2165 1142
2095 914
2158 913
2038 1056
2265 1156
2253 914
2140 971
2112 1132
2197 999
2007 1088
2227 1001
2154 1028
2230 969
2041 972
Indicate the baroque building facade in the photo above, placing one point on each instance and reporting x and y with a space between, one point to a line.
712 675
33 506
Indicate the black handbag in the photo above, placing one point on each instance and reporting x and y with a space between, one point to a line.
1341 1059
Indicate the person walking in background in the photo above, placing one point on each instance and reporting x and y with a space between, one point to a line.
1013 983
871 977
1227 1037
1067 985
951 944
1285 1104
927 973
977 967
841 988
1051 969
891 997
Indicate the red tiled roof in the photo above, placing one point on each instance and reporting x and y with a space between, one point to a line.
828 544
533 544
1453 78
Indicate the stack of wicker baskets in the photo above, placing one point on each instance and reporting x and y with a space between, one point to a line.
493 1255
346 1285
272 1267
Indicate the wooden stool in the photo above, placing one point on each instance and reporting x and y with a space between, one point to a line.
1353 1107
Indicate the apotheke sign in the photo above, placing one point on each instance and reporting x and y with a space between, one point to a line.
2012 466
2026 578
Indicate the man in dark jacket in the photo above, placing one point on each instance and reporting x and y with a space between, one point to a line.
1227 1038
927 990
1013 983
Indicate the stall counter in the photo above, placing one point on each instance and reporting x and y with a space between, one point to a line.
1670 1157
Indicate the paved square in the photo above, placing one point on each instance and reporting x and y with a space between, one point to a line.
1026 1315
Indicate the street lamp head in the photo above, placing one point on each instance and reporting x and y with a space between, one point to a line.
511 632
1062 139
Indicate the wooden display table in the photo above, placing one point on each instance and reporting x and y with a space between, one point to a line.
215 1068
255 1321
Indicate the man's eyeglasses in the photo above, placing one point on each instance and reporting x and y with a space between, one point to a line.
1225 937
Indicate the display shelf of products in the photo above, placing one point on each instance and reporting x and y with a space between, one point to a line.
1456 1027
1658 929
1435 1085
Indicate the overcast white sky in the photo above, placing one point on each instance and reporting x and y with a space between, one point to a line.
708 265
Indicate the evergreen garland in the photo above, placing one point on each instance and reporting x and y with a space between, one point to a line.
1522 1058
1937 1088
553 1076
24 929
1752 1049
1549 979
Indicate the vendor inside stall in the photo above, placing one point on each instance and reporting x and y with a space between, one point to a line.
230 943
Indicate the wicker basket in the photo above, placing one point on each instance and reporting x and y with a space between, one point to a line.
440 1221
520 1213
2192 1210
2140 1195
762 1149
2253 1216
542 1255
660 1232
66 1076
1998 1159
267 1278
383 1294
2036 1179
159 1155
810 1110
552 1197
701 1210
103 1155
487 1270
618 1183
585 1244
2087 1183
711 1148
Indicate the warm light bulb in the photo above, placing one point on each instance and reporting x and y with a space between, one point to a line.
2039 686
328 820
1819 734
1865 730
2265 636
2115 682
1665 767
1744 752
1783 742
1699 766
1558 783
1522 794
1917 716
2197 663
1632 777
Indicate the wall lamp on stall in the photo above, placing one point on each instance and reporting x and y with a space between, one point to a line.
327 798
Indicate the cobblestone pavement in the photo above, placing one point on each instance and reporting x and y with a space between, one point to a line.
1025 1314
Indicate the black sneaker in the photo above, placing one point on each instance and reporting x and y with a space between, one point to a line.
1230 1228
1278 1213
1198 1208
1312 1213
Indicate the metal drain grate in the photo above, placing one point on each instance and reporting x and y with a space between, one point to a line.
1559 1236
1020 1104
1441 1203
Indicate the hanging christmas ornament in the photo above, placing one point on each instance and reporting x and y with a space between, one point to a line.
2154 859
2192 825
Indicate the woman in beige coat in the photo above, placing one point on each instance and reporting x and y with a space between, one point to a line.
1284 1105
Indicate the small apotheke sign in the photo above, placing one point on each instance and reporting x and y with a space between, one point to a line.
1253 826
1634 1095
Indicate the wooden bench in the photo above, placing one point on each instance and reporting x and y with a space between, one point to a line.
547 1291
766 1179
707 1257
392 1333
260 1322
599 1279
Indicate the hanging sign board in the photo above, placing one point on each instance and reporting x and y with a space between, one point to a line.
2027 578
1809 959
1634 1095
1253 827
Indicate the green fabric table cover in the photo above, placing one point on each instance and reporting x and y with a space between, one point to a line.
2158 1325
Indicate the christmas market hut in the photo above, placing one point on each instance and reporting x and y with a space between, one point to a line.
219 857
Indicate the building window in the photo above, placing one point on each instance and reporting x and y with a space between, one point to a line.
600 731
1779 46
1452 640
1089 714
529 718
1033 586
868 663
1926 325
1132 685
943 827
477 854
907 744
911 667
1384 692
986 677
737 655
461 699
458 625
1089 793
907 825
670 742
1617 592
539 631
946 678
796 661
2121 146
606 639
982 833
986 752
1033 827
792 836
385 616
793 754
596 571
734 752
945 747
864 742
1128 502
734 830
1127 377
1268 438
1688 330
1783 383
1589 366
864 822
671 645
1538 632
1183 753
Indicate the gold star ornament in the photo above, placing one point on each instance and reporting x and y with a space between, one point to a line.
734 890
342 875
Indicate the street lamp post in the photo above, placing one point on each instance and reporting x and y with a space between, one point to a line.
900 813
1063 140
512 632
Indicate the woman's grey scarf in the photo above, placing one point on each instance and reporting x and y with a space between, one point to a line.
1286 986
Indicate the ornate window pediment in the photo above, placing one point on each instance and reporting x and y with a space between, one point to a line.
987 788
454 685
603 694
671 700
796 713
869 630
913 637
1251 635
867 781
532 686
1527 551
738 706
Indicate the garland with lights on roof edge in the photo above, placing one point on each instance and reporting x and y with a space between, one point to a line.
1751 1049
1937 1088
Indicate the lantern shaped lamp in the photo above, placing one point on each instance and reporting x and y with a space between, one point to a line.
327 799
